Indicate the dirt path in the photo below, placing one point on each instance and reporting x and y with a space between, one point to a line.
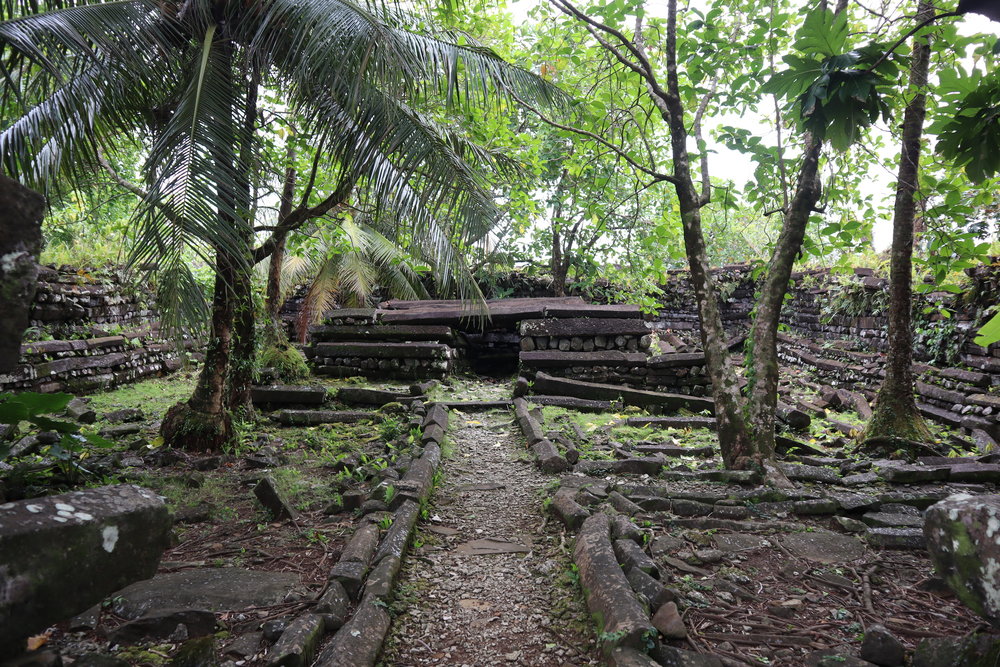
519 605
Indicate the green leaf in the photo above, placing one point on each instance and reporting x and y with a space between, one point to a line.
989 333
823 33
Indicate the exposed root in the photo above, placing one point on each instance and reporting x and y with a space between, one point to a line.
186 428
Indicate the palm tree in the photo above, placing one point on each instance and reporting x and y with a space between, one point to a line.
187 73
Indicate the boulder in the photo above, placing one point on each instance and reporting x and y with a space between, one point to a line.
963 539
20 244
61 554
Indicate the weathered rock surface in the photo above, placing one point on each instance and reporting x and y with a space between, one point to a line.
214 589
59 555
963 539
609 596
20 244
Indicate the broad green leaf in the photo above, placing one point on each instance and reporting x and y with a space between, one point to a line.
989 333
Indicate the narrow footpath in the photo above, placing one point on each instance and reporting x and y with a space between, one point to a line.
490 580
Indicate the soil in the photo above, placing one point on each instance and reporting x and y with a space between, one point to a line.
468 606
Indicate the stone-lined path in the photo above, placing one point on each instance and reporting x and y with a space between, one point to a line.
460 604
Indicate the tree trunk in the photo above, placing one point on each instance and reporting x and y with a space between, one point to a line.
204 423
272 299
738 450
896 414
243 365
763 368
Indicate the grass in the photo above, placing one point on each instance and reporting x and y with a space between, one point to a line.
153 396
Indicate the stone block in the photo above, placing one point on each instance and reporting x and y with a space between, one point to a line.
61 554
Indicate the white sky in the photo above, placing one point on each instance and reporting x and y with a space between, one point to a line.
737 167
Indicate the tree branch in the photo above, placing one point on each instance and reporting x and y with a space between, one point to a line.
599 139
706 183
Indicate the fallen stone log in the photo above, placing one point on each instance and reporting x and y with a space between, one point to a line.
615 311
287 394
359 641
584 327
399 333
60 555
610 599
581 404
673 422
352 315
438 351
593 390
558 359
476 406
676 360
313 417
378 397
795 418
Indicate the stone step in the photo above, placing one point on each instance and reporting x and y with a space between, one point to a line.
597 391
288 395
559 359
384 350
385 332
568 328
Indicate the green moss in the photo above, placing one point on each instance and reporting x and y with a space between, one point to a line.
152 396
286 361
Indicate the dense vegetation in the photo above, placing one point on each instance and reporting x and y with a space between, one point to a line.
238 149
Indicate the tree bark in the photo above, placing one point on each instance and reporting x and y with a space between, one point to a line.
738 450
272 300
763 367
204 423
242 368
896 414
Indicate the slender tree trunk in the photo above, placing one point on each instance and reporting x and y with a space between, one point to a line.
738 449
204 423
896 414
556 264
763 395
243 365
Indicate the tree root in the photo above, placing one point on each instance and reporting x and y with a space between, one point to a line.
184 427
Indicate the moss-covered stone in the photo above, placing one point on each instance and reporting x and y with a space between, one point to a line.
963 539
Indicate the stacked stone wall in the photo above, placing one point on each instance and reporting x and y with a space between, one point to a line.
91 330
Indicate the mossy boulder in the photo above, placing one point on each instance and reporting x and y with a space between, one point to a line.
285 361
963 539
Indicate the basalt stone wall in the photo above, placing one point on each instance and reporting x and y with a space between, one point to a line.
100 331
70 302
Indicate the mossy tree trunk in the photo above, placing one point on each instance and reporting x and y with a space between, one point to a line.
896 414
203 422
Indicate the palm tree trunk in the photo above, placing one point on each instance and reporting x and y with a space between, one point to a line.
203 422
242 369
243 365
896 414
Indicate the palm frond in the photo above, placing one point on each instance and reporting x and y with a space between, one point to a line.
197 182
